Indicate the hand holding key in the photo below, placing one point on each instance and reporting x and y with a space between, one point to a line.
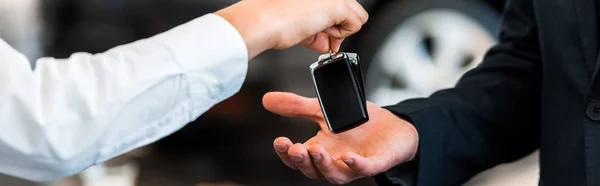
319 25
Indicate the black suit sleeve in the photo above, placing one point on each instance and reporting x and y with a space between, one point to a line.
490 117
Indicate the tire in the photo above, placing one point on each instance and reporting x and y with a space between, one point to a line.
393 14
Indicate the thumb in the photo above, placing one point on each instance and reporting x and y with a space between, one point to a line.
292 105
318 42
323 43
335 44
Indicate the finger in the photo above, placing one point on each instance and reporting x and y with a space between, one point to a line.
318 43
362 14
351 22
326 165
363 166
299 155
282 145
335 44
349 26
308 41
292 105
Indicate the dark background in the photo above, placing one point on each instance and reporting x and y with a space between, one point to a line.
233 141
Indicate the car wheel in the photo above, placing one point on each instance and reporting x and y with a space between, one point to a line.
413 48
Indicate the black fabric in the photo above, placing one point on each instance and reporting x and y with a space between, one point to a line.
531 91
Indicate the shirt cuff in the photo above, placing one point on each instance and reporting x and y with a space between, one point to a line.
213 56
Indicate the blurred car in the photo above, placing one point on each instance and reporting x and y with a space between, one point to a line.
409 48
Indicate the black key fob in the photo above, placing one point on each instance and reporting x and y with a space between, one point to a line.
339 85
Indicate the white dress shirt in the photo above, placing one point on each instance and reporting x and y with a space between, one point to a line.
68 114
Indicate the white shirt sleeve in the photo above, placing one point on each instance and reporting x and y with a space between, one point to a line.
69 114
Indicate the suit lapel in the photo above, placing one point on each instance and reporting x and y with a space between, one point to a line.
585 11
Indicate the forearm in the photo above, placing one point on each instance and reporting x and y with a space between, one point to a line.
68 114
461 137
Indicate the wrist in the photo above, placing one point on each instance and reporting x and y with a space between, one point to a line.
251 25
415 139
410 136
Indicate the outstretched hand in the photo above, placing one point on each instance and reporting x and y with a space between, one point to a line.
374 147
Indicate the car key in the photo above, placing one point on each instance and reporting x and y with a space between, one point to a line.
339 85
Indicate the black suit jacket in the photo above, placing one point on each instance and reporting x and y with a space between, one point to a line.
535 89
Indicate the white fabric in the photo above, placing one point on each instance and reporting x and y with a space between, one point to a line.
68 114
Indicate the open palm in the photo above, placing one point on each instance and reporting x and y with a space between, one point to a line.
379 144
